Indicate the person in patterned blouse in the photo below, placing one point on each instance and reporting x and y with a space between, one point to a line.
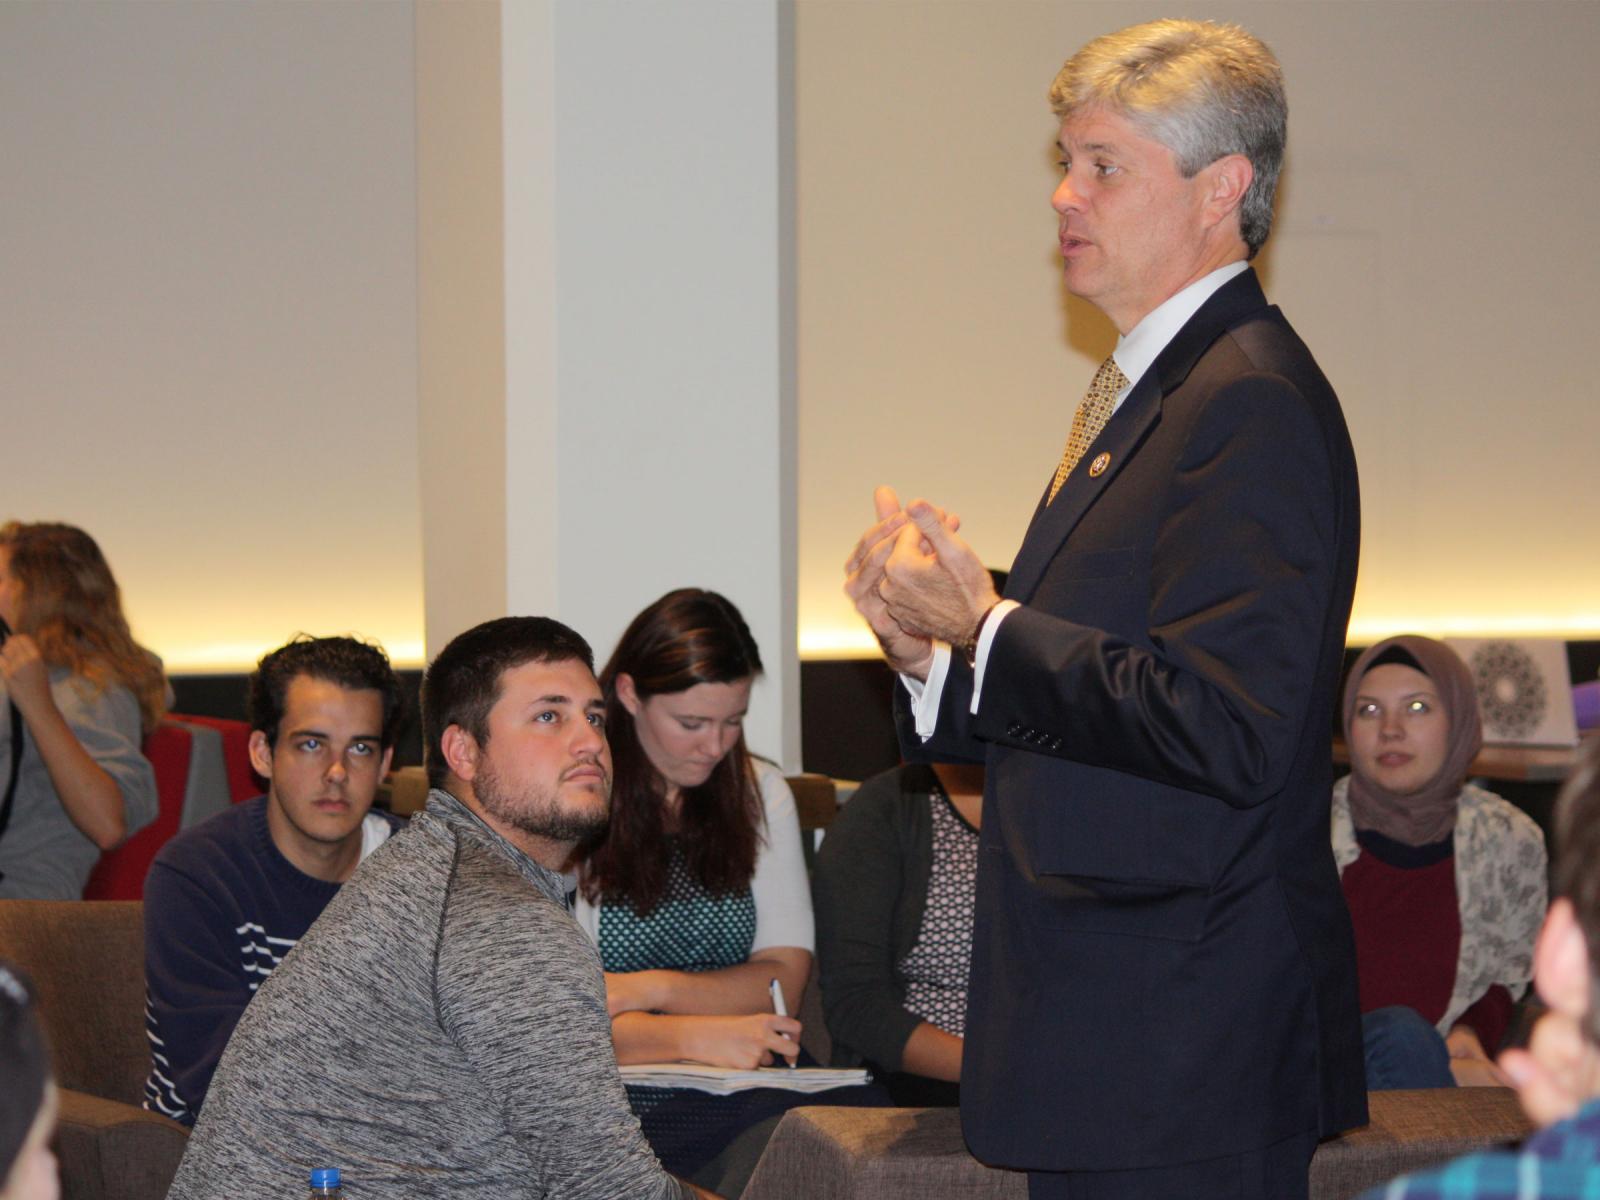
1558 1076
895 892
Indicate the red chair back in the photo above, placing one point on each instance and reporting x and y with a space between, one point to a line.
243 782
119 875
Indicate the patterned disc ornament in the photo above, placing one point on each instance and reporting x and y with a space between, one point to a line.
1512 692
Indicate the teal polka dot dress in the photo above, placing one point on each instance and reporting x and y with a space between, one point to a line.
690 930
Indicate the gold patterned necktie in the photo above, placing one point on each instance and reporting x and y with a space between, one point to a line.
1090 419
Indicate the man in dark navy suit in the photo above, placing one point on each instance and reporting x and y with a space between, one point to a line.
1163 998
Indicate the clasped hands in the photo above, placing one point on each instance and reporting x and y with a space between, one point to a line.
915 581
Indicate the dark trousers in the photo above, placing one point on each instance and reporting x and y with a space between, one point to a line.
1280 1171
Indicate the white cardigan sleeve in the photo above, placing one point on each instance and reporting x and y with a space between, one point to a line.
587 915
780 889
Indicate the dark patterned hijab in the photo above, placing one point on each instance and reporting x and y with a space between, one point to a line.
24 1066
1429 814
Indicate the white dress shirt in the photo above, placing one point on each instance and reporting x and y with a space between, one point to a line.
1136 351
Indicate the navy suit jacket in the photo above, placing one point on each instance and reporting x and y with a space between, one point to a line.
1163 969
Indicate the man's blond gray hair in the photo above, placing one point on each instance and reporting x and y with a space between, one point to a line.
1201 89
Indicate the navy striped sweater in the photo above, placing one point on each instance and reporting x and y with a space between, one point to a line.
222 906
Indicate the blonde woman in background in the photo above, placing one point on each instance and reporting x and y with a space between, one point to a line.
73 781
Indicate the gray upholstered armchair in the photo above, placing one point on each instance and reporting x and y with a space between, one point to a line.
87 962
910 1153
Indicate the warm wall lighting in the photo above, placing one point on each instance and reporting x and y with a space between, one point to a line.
1569 626
238 658
837 641
212 610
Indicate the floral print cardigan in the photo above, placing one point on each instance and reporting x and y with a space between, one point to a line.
1501 880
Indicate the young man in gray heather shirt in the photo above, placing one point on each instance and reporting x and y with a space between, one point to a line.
442 1030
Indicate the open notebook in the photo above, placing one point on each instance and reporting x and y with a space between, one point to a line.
723 1081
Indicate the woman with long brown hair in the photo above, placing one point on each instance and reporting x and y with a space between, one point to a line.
697 896
75 783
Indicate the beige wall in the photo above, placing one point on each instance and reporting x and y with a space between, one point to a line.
1436 247
210 291
208 298
461 287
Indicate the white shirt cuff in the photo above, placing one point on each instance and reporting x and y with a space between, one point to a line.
991 626
925 695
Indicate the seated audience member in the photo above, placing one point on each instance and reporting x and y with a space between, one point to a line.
86 693
895 889
1445 881
1558 1076
441 1030
697 896
226 900
27 1097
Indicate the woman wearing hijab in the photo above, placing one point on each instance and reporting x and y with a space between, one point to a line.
1445 881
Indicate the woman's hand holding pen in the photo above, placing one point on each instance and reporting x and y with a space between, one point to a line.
779 1007
745 1042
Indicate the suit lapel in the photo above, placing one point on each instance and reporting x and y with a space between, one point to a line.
1120 439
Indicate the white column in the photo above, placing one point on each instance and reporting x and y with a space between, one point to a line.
648 383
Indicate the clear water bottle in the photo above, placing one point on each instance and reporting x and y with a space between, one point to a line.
325 1182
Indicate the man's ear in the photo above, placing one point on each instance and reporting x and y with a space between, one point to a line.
383 766
1561 962
1226 182
628 693
261 753
460 752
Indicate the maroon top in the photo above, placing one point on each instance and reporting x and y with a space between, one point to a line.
1408 934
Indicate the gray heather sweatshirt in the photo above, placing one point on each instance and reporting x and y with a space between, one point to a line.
440 1031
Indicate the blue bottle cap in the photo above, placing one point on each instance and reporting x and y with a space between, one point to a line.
325 1177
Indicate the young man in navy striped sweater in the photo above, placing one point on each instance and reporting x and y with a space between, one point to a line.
226 900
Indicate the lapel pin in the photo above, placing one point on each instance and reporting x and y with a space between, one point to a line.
1099 465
